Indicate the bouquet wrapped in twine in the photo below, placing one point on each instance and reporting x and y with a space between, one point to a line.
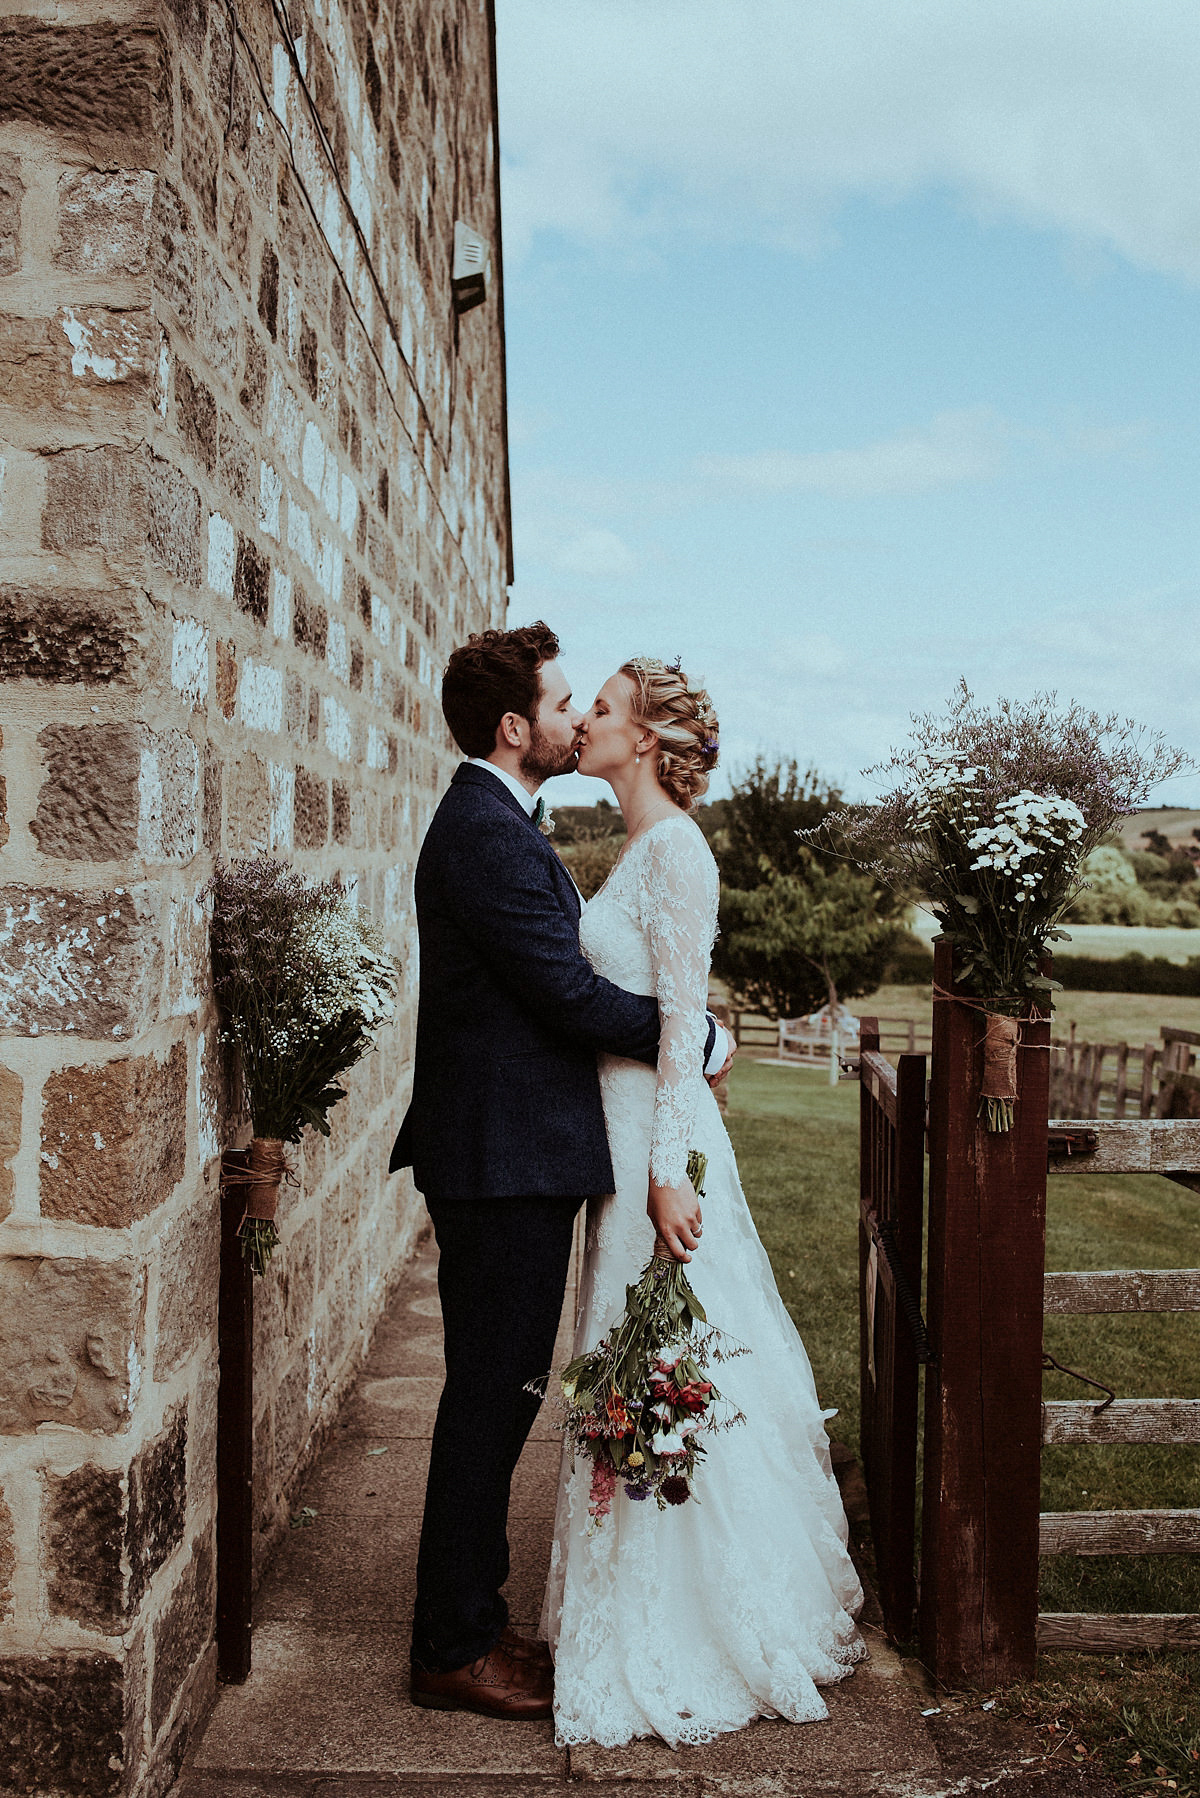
638 1405
989 817
302 985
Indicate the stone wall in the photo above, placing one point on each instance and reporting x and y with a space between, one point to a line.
253 486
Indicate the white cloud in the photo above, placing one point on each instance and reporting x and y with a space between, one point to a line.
968 445
754 122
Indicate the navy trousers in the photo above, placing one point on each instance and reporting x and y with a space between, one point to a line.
501 1278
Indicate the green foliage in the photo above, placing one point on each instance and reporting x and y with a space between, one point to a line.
754 832
796 921
590 860
1128 974
798 939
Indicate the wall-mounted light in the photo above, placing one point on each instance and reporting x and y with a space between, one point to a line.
472 272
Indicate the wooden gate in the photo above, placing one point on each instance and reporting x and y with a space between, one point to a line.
891 1335
982 1528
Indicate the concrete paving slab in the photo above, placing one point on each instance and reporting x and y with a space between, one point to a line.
497 1786
350 1480
359 1571
874 1728
241 1785
324 1700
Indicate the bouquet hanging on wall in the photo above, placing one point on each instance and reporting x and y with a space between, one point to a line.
638 1405
989 816
302 983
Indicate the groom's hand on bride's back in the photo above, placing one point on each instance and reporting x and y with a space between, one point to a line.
675 1213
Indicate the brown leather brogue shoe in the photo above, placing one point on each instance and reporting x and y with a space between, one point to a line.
496 1685
524 1648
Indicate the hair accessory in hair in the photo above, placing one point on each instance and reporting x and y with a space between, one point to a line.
675 667
710 746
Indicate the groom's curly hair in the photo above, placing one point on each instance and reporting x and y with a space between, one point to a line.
492 673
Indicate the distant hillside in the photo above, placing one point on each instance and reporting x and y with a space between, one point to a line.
1176 826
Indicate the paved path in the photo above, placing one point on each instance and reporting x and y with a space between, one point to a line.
326 1714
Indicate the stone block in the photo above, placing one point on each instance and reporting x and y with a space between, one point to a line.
182 1632
84 962
104 221
114 1138
111 790
268 291
84 362
69 1332
95 499
197 413
10 1134
312 810
219 317
293 1421
12 192
189 1271
254 379
174 522
174 253
67 635
248 811
227 678
8 1560
157 1503
98 83
64 1722
83 1535
252 580
200 153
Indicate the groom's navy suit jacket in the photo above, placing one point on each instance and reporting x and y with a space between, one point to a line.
506 1096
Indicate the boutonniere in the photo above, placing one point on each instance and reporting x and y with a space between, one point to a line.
543 817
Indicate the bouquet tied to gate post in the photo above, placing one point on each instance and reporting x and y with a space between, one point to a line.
989 816
638 1405
303 983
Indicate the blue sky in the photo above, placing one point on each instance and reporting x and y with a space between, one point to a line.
855 351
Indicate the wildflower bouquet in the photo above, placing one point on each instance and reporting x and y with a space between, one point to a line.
302 985
638 1405
989 817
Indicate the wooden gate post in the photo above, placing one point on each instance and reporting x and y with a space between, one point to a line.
987 1235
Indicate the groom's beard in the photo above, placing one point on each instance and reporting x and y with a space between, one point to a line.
544 759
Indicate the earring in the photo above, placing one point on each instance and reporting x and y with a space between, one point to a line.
637 758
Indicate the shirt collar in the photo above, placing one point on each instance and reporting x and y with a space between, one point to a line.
528 800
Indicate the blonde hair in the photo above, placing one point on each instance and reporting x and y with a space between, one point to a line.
682 718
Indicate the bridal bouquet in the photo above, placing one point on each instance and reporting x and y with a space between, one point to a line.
302 984
638 1405
990 815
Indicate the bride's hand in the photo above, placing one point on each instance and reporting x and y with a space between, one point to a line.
675 1213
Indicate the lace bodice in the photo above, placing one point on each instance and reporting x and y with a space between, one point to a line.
650 929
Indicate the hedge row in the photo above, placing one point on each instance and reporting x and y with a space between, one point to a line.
1133 973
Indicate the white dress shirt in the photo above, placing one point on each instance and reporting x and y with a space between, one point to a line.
723 1043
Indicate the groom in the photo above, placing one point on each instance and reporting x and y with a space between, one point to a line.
505 1136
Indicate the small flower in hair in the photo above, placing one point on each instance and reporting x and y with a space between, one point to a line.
675 667
710 746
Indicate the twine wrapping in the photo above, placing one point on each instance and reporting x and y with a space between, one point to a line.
1000 1043
261 1178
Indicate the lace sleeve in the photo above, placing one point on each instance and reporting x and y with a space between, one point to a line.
678 904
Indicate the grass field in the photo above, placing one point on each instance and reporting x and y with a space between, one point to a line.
797 1145
1100 1017
1109 941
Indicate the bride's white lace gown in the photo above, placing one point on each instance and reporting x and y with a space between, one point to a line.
690 1621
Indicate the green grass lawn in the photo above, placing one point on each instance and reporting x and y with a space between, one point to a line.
797 1146
1099 1017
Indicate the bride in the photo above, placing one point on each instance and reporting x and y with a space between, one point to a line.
692 1621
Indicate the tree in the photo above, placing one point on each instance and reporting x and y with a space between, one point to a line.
799 939
799 924
754 830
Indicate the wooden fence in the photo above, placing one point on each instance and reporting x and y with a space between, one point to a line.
763 1036
1151 1146
1117 1080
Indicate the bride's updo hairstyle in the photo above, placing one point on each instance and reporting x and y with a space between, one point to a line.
682 718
